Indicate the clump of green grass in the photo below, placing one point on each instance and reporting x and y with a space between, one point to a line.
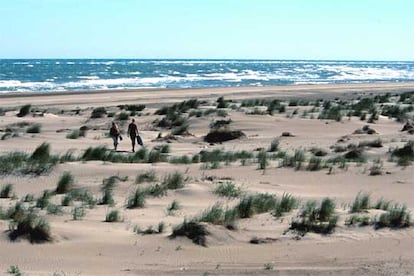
123 116
355 154
255 204
181 160
213 215
382 204
28 198
14 270
213 165
133 107
67 200
268 266
156 156
44 200
68 157
173 207
296 161
6 191
42 152
193 230
81 195
156 190
227 189
331 113
65 183
24 110
262 159
361 203
174 181
315 164
181 129
54 209
376 168
405 154
358 220
316 217
31 226
377 143
319 152
98 112
15 212
76 133
396 217
35 128
113 216
274 145
287 203
78 213
136 199
223 156
222 103
107 188
150 229
95 153
220 124
223 135
147 176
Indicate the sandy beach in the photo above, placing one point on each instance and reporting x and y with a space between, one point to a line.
88 245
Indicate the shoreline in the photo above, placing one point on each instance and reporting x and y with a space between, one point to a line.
153 95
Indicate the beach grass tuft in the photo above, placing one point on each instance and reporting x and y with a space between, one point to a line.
227 189
31 226
193 230
113 216
318 217
136 199
65 183
6 191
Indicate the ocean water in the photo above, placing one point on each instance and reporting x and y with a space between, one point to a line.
45 75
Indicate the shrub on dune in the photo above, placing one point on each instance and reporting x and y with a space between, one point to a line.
36 128
31 226
361 203
65 183
113 216
148 176
255 204
228 189
193 230
174 181
316 217
24 110
136 199
287 203
396 217
223 135
6 191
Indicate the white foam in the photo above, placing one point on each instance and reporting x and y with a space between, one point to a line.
89 77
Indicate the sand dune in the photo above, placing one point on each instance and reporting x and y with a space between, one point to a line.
90 246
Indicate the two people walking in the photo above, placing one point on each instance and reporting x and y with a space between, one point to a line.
133 134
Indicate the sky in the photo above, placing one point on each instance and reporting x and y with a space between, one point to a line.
214 29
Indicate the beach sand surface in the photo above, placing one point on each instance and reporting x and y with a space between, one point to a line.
91 246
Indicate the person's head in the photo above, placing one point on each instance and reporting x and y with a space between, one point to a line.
113 124
133 120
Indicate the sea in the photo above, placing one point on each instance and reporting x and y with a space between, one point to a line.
50 75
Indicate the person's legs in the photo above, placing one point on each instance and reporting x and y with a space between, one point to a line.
115 138
133 142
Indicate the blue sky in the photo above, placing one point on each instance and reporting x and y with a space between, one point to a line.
258 29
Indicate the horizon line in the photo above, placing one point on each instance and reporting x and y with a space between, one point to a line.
207 59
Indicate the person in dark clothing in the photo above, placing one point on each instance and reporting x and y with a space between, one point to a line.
133 132
115 134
